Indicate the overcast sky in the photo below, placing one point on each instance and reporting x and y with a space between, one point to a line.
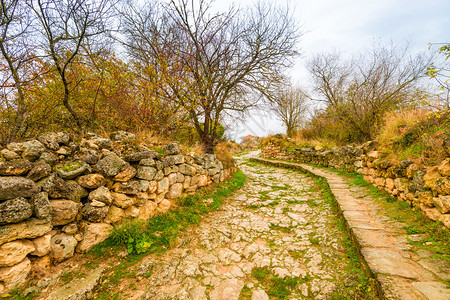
350 26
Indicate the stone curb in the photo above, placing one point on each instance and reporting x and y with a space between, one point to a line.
395 276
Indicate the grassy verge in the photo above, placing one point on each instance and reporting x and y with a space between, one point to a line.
359 285
433 236
160 232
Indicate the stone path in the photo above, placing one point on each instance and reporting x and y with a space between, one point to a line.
277 238
402 271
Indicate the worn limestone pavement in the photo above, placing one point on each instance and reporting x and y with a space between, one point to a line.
276 231
402 271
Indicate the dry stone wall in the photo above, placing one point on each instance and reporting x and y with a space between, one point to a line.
58 197
424 187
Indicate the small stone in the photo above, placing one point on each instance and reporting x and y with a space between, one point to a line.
9 155
13 187
130 188
163 185
115 214
15 167
40 170
228 289
94 234
91 181
14 211
94 213
42 245
120 136
259 295
32 150
110 165
41 205
122 200
172 149
175 191
164 206
71 228
55 187
63 246
64 211
15 275
138 156
49 158
13 253
147 173
101 194
73 169
126 173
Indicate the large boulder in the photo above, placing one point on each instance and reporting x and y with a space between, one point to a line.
15 167
64 211
14 252
40 170
52 140
27 229
94 213
73 169
91 181
15 275
15 210
13 187
110 165
63 246
41 206
32 150
94 234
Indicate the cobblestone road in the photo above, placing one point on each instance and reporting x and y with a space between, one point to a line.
275 238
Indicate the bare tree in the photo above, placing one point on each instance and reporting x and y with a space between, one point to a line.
359 92
66 27
17 55
290 106
213 61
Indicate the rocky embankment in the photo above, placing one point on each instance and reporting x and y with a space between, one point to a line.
425 187
58 197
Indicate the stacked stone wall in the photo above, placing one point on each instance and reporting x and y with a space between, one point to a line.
58 197
424 187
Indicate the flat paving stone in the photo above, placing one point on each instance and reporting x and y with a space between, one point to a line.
403 272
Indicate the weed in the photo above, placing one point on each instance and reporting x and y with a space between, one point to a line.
278 288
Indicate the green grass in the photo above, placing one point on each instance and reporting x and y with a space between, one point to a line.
276 287
160 232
